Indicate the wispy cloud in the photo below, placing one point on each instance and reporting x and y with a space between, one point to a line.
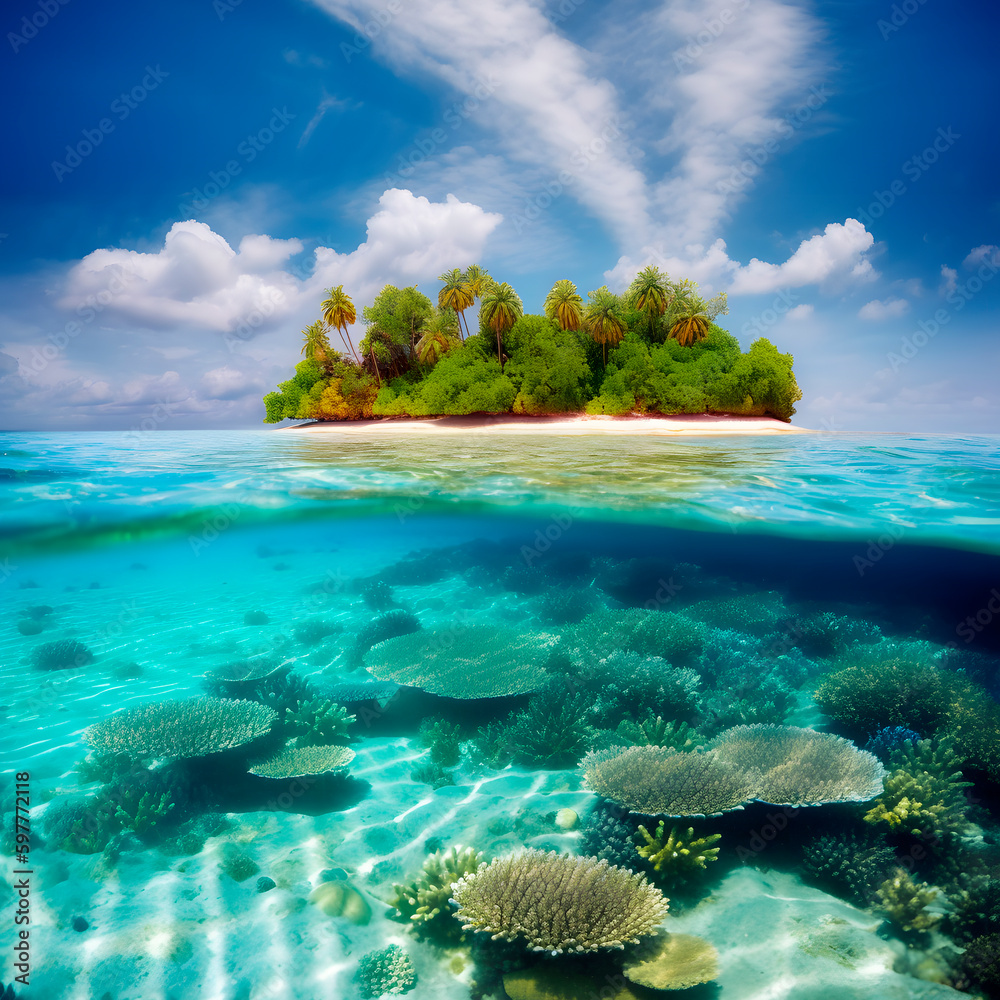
328 103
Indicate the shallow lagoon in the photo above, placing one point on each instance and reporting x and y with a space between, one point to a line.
173 556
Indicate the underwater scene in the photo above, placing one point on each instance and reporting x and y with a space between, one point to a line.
560 718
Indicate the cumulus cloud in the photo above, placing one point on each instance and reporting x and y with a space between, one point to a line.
879 309
802 312
836 253
949 280
986 254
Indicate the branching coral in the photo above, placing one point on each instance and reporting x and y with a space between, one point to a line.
924 794
661 634
856 866
559 903
888 740
981 962
465 661
386 971
679 853
426 901
662 781
758 614
905 903
553 731
658 732
318 722
491 746
609 834
443 740
975 908
797 767
187 728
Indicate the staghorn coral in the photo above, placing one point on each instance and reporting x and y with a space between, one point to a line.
678 854
318 722
388 971
657 732
796 767
924 793
904 903
63 654
657 781
855 866
464 661
558 903
673 962
391 625
297 762
186 728
426 901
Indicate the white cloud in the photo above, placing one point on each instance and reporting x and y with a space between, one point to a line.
949 280
838 253
986 254
532 87
802 312
878 309
229 383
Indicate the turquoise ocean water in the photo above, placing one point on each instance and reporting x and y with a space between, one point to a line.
709 582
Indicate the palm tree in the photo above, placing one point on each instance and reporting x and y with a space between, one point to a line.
316 343
478 279
456 293
650 294
603 319
433 345
500 310
690 324
339 312
564 305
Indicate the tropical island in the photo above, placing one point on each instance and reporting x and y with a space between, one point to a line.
654 351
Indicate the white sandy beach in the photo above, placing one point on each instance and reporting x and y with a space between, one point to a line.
683 424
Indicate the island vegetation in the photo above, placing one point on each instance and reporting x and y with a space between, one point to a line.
655 349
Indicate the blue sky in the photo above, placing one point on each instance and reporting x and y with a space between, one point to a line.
181 184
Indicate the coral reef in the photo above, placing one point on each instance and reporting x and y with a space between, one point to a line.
547 982
377 594
442 739
660 634
297 762
430 773
491 746
387 971
658 732
924 794
796 767
888 739
609 834
853 865
554 730
340 899
975 908
558 903
426 901
63 654
186 728
318 722
237 864
759 614
660 781
315 630
673 962
905 903
981 963
565 605
678 854
391 625
464 661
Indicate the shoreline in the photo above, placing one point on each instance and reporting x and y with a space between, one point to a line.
577 424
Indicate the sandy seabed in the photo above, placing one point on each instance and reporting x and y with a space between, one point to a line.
685 424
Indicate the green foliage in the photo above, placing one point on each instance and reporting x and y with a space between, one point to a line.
548 365
286 402
442 739
318 722
761 383
924 794
678 854
426 901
